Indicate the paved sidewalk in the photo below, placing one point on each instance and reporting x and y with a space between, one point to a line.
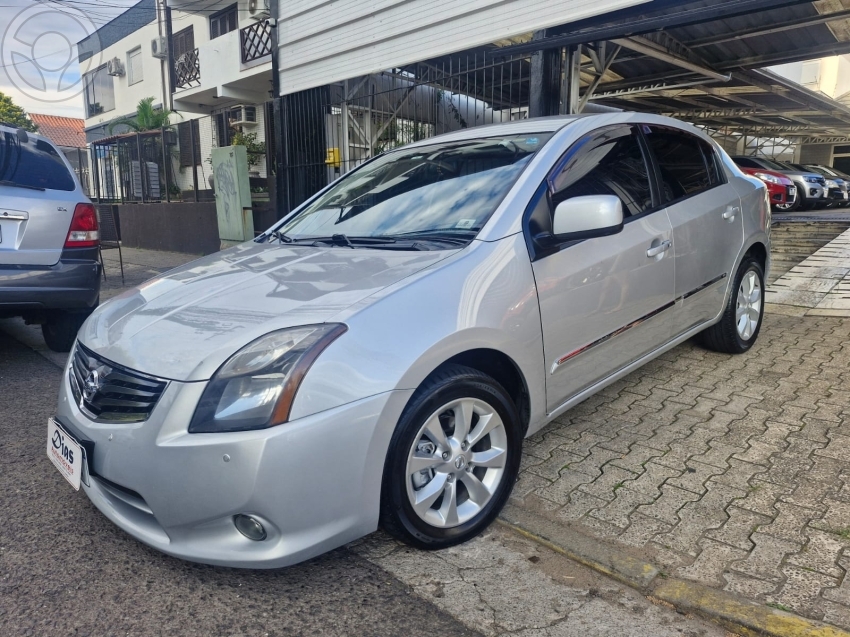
730 471
819 286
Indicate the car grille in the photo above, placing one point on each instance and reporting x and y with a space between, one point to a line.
108 392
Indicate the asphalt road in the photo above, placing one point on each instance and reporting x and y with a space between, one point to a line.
66 570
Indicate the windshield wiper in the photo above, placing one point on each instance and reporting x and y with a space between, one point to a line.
274 234
14 184
345 240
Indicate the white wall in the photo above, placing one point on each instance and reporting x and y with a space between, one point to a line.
830 75
127 95
324 41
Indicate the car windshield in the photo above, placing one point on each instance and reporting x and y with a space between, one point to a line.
32 164
445 189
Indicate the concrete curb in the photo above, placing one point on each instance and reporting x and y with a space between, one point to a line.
741 616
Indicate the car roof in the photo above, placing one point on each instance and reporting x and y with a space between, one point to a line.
553 124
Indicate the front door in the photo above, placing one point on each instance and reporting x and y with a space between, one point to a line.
604 302
705 213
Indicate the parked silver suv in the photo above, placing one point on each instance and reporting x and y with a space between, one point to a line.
379 355
49 270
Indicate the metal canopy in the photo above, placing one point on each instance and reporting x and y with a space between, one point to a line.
698 61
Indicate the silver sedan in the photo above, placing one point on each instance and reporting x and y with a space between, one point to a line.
378 356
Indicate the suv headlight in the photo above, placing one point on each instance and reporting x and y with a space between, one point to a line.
812 180
768 178
255 387
830 183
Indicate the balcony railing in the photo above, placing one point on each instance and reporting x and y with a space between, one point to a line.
187 70
256 41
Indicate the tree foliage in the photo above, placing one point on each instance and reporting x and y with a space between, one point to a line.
146 118
11 113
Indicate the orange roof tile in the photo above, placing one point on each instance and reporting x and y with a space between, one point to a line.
62 131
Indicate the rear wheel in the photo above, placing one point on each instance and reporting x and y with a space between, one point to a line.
740 324
452 461
61 327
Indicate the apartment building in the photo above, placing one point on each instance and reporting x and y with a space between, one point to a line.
208 60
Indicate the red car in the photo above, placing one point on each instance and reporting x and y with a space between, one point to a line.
782 191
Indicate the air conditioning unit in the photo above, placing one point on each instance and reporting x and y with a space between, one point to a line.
114 67
242 115
259 9
159 47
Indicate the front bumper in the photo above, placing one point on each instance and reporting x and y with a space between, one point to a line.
314 483
72 283
781 194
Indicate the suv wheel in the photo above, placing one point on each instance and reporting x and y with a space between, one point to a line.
741 321
61 327
452 460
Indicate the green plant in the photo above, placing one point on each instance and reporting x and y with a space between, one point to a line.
779 606
256 150
146 118
11 113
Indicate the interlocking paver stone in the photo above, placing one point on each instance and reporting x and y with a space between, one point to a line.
711 563
733 471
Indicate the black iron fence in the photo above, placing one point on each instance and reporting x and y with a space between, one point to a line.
324 132
173 163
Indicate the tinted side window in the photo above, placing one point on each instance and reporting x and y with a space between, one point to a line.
680 162
608 162
715 174
34 163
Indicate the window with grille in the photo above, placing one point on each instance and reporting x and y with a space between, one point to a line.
134 66
224 21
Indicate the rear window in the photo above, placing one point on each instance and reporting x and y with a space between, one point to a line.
32 164
681 163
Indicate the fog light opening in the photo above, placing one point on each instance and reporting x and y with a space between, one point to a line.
249 527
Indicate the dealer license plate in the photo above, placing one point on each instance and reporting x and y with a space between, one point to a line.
65 453
792 190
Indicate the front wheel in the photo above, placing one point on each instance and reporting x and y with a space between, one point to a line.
61 327
452 460
740 324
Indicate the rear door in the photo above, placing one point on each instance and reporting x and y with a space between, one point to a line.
604 302
705 212
37 199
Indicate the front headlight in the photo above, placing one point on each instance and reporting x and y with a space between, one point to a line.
812 180
255 387
768 178
830 183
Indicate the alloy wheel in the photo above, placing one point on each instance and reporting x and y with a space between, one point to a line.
748 305
456 463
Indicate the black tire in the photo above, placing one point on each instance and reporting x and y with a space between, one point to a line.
61 327
398 517
723 336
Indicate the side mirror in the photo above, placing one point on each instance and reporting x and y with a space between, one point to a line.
587 217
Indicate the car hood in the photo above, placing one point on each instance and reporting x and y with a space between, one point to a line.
800 173
184 324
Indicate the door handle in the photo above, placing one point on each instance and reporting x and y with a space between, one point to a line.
730 213
661 247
